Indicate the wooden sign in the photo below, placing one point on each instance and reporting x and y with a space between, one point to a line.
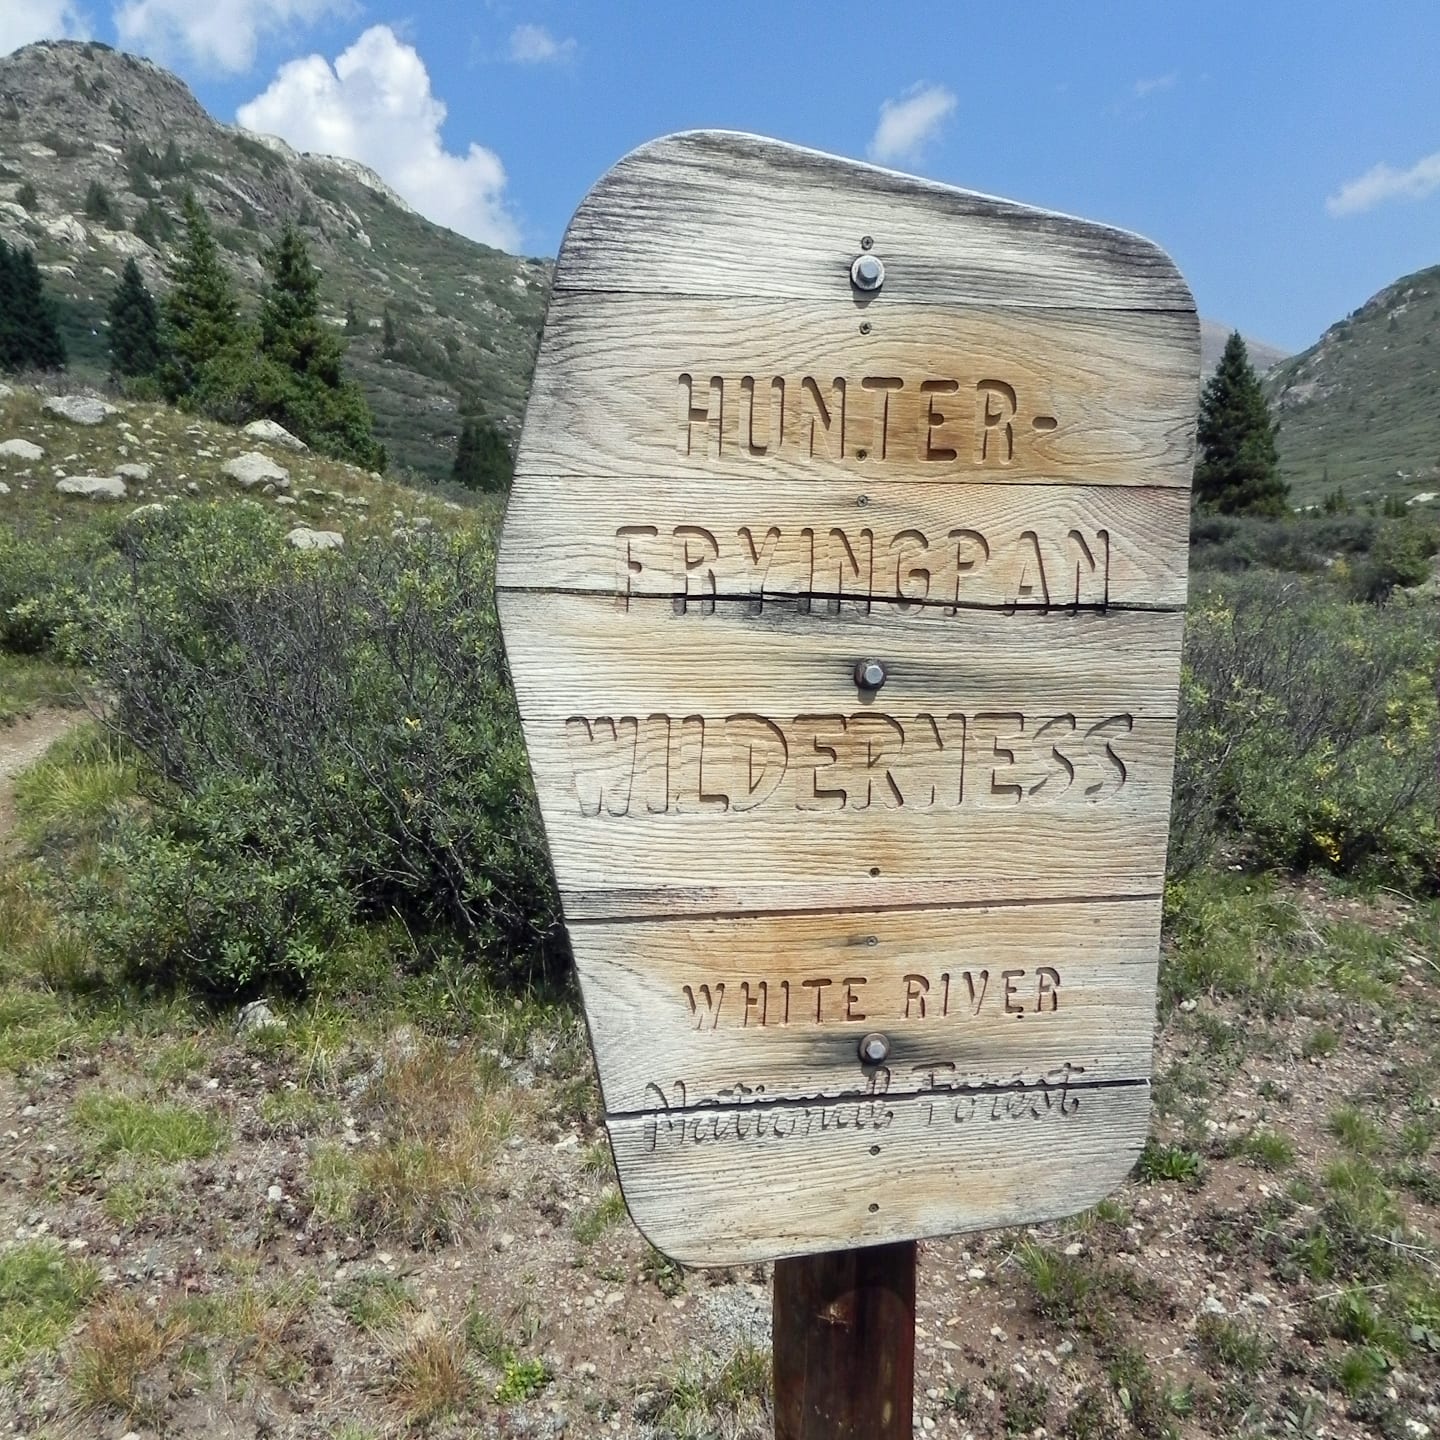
842 585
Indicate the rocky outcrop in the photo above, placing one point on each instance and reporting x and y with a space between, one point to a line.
275 433
253 468
92 487
79 409
304 538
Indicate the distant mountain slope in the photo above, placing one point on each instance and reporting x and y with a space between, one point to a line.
74 115
1213 336
1361 408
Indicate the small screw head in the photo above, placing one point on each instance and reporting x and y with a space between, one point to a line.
866 242
870 674
874 1049
867 272
864 327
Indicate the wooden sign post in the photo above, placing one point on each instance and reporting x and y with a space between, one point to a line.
842 585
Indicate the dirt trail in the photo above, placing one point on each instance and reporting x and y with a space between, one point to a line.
22 744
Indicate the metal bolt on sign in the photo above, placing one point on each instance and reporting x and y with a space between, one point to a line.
875 1048
867 272
870 674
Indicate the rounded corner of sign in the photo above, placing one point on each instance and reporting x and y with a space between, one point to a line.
654 1231
597 196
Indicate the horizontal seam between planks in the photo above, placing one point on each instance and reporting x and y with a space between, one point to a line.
863 1097
1067 307
782 598
905 907
851 477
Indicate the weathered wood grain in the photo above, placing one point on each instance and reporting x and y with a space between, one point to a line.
974 544
753 389
744 1183
714 213
739 476
775 1005
785 858
574 654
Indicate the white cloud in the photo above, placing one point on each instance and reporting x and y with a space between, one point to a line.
908 123
1156 83
221 34
376 106
1384 183
22 21
535 45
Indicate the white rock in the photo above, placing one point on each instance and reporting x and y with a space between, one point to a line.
257 1015
1074 1248
253 469
4 488
275 433
124 243
6 391
133 471
92 487
81 409
274 1194
66 229
286 500
154 508
21 449
1212 1306
304 538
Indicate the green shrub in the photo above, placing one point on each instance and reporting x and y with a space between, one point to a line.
1399 558
1308 729
329 736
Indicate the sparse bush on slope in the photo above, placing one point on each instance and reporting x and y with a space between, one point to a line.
332 738
1308 729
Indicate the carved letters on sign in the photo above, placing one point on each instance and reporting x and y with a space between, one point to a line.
935 419
954 567
827 999
660 763
974 478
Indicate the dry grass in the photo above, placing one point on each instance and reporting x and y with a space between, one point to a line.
442 1112
122 1359
429 1379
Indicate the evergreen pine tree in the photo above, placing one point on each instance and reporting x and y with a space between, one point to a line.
29 332
200 314
352 320
1239 470
389 341
482 457
134 326
306 388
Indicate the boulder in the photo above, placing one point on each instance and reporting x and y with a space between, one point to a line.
275 434
92 487
21 449
6 391
253 468
80 409
304 538
133 471
4 488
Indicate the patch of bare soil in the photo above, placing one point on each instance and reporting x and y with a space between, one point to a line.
22 744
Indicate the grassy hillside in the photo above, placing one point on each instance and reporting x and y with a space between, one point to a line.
1361 408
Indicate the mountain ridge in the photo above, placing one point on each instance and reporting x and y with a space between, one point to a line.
76 114
1360 409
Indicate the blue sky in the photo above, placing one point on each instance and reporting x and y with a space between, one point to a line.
1286 154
